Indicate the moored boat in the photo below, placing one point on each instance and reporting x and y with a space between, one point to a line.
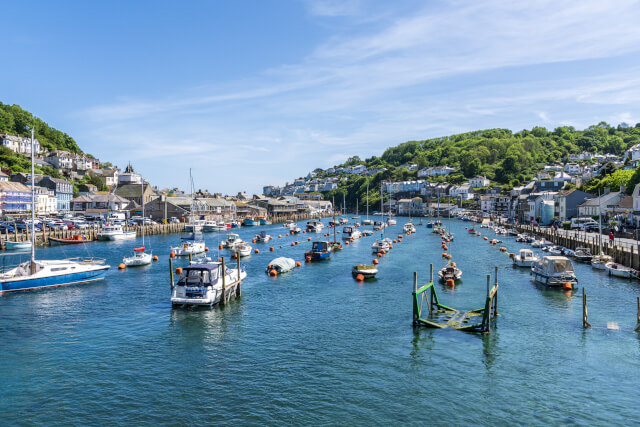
281 265
262 237
320 250
619 270
201 284
582 255
115 232
314 226
554 271
367 271
74 240
409 228
525 258
599 261
450 272
16 246
189 246
232 239
349 232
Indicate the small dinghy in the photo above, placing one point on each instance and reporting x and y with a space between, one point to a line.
263 237
619 270
582 255
450 272
76 239
281 265
367 271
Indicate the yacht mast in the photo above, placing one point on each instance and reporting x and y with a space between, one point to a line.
333 208
367 201
142 202
33 212
599 224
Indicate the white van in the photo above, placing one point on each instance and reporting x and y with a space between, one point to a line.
582 223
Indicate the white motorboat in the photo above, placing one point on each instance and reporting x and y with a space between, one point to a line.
201 284
599 261
288 224
194 227
391 221
554 271
115 232
525 258
232 239
582 255
381 244
139 257
294 229
241 249
409 228
189 246
367 222
450 272
209 226
350 232
368 271
281 265
619 270
17 246
378 225
262 237
314 226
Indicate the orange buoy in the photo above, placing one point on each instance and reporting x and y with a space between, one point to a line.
234 256
155 257
304 231
395 241
453 264
308 259
292 244
382 251
253 241
567 285
338 232
444 255
379 254
219 246
271 249
287 235
478 233
447 240
346 242
172 255
308 239
122 266
279 236
178 270
360 278
219 259
486 238
503 249
390 246
257 251
273 273
298 264
206 249
445 247
399 236
375 261
511 255
451 282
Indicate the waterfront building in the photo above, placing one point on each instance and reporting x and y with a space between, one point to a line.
99 204
15 198
129 176
593 206
567 202
205 208
132 192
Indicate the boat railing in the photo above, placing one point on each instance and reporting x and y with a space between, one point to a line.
88 260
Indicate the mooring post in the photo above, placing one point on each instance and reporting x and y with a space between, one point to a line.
416 315
585 323
238 283
495 302
171 271
431 290
224 290
638 316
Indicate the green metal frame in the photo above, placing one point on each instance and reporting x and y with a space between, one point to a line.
442 316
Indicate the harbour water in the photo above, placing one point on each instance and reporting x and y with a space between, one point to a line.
316 347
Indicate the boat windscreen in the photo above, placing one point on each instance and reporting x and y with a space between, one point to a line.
561 266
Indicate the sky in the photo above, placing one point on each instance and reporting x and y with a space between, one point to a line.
259 92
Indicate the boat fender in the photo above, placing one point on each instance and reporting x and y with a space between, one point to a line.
298 264
155 257
178 270
567 285
360 278
273 273
375 261
122 266
172 255
307 259
451 283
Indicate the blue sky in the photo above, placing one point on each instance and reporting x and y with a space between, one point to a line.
249 93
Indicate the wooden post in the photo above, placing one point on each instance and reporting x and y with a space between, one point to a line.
171 271
495 302
238 283
190 257
224 285
637 329
585 323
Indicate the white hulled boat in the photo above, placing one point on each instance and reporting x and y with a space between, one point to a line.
115 232
314 226
619 270
350 232
232 239
525 258
139 257
409 228
189 246
201 284
554 271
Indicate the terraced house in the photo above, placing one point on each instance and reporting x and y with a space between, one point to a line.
62 189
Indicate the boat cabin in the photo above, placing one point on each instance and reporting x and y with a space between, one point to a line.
526 254
320 247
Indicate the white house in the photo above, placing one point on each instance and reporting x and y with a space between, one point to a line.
573 169
435 171
479 182
633 153
486 204
410 166
464 191
61 159
19 144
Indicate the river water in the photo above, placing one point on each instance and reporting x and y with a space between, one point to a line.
316 347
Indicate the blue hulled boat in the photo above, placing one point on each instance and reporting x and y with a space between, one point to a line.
249 222
319 251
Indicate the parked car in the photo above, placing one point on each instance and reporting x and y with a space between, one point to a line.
6 228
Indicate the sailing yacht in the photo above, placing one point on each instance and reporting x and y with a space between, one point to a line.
40 274
599 261
139 257
382 243
367 221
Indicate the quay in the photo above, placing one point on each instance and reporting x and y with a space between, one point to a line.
42 237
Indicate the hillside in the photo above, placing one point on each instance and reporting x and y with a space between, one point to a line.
506 158
14 121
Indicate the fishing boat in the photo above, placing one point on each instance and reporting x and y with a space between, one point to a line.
235 223
335 245
18 246
241 249
232 239
74 240
40 274
349 232
582 255
115 232
139 257
367 271
189 246
450 272
430 224
619 270
250 222
314 226
281 265
220 226
320 250
367 221
409 228
264 221
262 237
525 258
554 270
201 284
